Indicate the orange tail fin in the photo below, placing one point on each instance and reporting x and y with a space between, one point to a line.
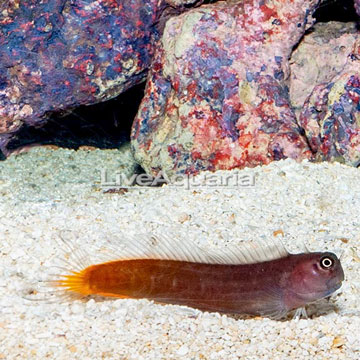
76 282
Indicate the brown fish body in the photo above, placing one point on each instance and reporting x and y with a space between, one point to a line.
266 288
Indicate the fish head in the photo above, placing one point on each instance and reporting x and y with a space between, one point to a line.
314 276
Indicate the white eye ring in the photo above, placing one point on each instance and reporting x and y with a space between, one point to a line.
326 262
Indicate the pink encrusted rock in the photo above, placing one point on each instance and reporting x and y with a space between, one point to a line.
321 55
217 95
331 115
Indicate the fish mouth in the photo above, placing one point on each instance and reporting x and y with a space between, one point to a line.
317 295
334 283
333 288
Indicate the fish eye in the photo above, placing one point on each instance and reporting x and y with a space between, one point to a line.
326 262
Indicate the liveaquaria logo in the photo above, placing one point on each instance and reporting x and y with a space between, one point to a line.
205 180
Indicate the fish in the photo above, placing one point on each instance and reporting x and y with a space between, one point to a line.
253 280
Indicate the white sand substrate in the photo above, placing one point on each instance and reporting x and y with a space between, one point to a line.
46 193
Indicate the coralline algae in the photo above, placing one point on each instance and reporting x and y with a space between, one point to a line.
331 115
218 92
217 95
59 54
320 56
357 6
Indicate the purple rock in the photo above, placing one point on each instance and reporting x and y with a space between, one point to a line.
357 6
59 54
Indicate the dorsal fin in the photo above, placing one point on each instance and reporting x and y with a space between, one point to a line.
156 246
